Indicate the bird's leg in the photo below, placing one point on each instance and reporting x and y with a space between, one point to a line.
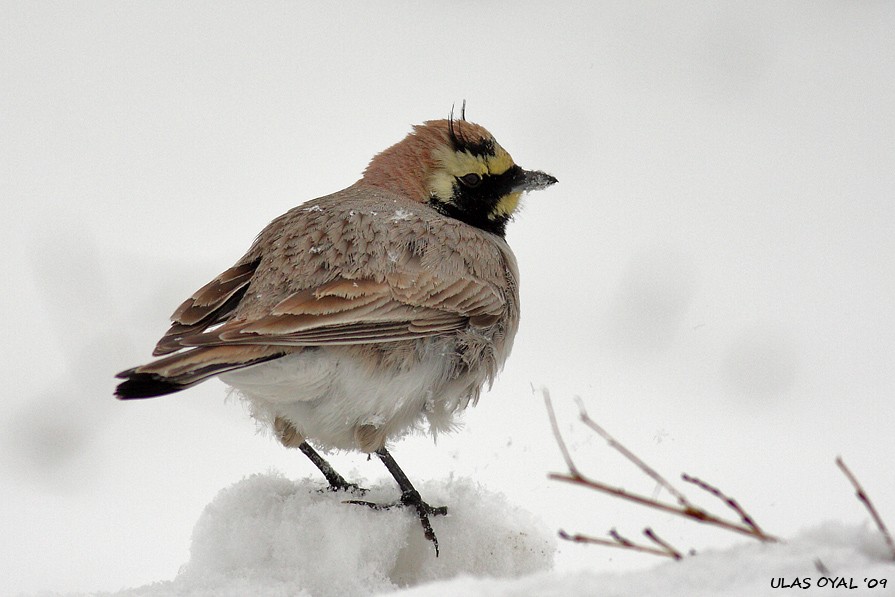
336 481
410 498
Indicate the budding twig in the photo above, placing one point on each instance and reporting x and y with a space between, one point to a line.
729 501
746 526
615 535
862 495
652 536
664 550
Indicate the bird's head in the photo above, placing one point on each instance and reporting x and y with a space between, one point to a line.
459 169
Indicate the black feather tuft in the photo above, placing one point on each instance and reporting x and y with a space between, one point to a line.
455 134
480 147
145 385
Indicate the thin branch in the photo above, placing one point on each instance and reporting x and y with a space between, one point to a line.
862 495
693 513
684 507
570 464
729 501
615 535
652 536
615 444
629 545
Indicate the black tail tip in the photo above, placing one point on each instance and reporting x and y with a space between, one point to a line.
144 385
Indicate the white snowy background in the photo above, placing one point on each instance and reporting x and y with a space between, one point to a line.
713 275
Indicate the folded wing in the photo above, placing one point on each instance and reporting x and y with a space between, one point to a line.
401 306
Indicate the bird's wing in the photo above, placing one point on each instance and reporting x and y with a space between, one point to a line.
340 271
402 306
210 305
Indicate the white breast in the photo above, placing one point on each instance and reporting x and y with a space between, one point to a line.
328 393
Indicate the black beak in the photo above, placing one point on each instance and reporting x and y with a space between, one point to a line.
532 180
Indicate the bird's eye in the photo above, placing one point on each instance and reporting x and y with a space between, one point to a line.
471 180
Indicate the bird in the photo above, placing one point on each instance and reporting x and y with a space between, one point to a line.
357 317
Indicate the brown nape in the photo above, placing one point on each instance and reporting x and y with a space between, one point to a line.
405 167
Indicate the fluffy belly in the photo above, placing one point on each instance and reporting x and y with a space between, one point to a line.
348 398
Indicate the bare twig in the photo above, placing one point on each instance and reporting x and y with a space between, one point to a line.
622 543
862 495
615 535
570 464
684 507
652 536
729 501
697 514
615 444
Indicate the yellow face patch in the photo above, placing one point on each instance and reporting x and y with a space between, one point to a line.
455 164
507 206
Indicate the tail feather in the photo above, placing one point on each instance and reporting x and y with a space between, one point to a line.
180 371
145 385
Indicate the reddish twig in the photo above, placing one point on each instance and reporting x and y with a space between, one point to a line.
729 501
684 508
862 495
652 536
570 464
615 535
664 550
693 513
613 443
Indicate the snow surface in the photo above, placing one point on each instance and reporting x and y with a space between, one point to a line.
269 536
746 570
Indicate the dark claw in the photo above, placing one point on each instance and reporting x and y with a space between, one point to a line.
423 510
412 499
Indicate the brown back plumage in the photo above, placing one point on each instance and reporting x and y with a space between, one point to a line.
367 265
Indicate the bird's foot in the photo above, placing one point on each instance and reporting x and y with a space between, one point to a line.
412 499
343 485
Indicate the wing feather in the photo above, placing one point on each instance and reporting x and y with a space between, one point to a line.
210 305
354 312
214 294
413 289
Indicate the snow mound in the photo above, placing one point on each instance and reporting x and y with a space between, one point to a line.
267 535
831 559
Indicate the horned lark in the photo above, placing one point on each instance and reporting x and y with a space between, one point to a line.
358 316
